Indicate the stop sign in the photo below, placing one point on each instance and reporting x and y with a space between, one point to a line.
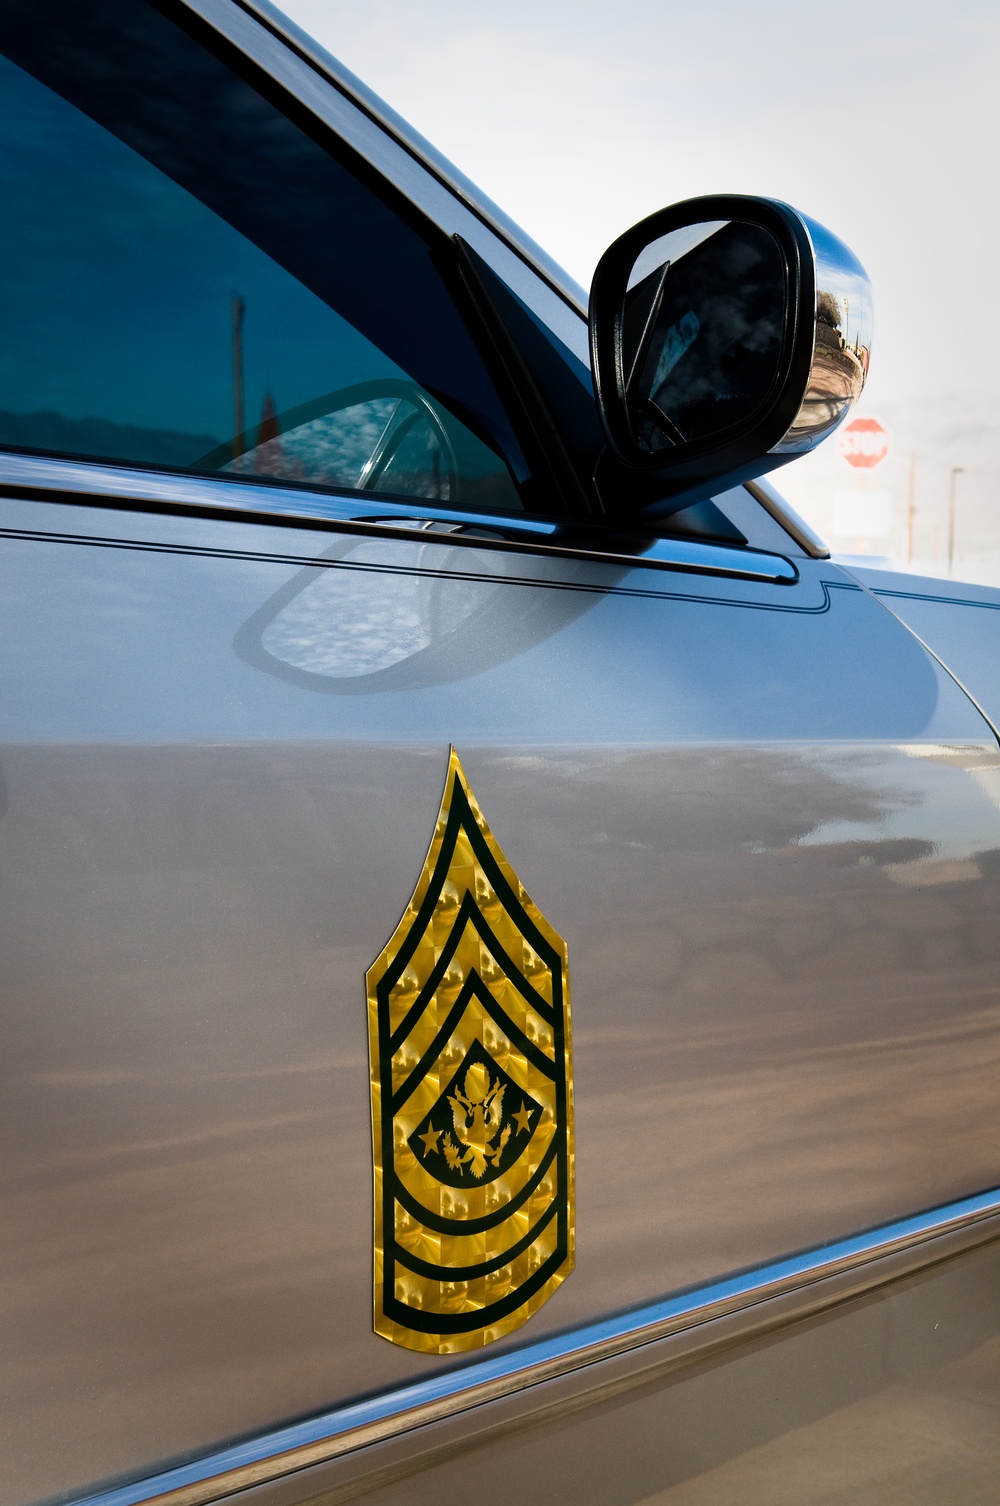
863 442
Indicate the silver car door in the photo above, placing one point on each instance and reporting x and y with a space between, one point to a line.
757 812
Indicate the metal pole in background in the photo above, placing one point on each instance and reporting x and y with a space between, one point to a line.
911 506
239 422
956 470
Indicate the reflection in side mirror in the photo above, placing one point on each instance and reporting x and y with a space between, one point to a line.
727 336
701 331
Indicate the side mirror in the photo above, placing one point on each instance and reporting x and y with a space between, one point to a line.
727 336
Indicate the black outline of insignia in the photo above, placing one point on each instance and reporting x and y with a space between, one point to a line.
461 817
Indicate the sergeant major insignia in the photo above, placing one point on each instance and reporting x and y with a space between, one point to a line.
472 1098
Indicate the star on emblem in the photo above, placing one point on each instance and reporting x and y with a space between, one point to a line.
430 1138
523 1118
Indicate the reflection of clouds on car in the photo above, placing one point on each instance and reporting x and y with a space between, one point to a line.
387 436
348 622
338 625
388 614
331 450
388 443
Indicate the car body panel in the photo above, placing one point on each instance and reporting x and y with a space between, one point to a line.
958 621
890 1395
769 856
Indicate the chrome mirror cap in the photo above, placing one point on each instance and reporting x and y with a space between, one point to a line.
841 342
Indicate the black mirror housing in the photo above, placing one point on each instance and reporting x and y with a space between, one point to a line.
728 335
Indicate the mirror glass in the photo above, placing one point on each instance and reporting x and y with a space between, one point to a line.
702 331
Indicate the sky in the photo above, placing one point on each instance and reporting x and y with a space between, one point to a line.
880 118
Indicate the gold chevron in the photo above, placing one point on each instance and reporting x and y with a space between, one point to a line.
472 1097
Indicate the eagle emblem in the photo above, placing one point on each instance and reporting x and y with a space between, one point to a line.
478 1118
472 1098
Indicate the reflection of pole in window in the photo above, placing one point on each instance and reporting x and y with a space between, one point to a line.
268 458
239 423
956 471
268 429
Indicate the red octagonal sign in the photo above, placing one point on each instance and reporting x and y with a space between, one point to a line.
863 442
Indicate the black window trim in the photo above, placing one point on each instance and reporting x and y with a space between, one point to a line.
89 484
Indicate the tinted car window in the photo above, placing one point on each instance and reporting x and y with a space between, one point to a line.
189 279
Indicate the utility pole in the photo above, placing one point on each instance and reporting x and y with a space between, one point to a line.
956 470
239 421
911 506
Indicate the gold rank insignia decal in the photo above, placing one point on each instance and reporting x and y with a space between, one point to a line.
472 1098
